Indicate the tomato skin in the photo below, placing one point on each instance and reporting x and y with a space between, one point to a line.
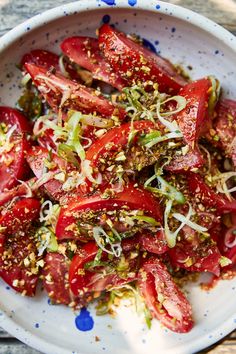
47 60
54 86
17 169
225 126
85 52
55 278
84 281
194 117
199 189
181 164
205 258
19 250
125 56
115 138
154 283
36 157
153 243
134 198
20 215
19 191
16 244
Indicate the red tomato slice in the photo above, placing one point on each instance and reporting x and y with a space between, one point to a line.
227 245
136 63
55 278
85 52
36 160
225 127
84 281
19 191
12 154
132 198
13 251
207 196
55 88
163 298
179 164
116 138
202 258
20 215
48 60
153 243
16 244
194 117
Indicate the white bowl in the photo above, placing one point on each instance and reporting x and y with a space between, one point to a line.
185 38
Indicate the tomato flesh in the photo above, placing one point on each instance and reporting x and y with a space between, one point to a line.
13 165
136 63
85 52
163 298
55 87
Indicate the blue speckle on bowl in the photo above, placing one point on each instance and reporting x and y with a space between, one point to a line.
132 2
84 321
158 7
106 18
149 45
36 325
109 2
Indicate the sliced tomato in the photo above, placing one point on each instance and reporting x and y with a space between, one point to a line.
36 160
55 278
153 243
12 152
204 257
84 281
19 191
163 298
104 150
131 198
225 127
85 52
195 116
16 244
20 215
59 91
182 163
136 63
227 245
13 267
207 196
48 60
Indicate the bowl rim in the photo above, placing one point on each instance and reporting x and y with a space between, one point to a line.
80 6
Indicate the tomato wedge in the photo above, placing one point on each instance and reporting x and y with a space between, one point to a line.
36 160
153 243
207 196
59 91
55 278
136 63
225 128
13 145
131 198
195 116
84 281
163 298
19 216
182 163
16 243
48 60
85 52
204 257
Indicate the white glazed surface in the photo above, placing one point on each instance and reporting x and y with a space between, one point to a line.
187 39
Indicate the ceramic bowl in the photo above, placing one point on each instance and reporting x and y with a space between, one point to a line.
203 48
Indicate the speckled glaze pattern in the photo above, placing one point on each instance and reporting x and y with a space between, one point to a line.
202 48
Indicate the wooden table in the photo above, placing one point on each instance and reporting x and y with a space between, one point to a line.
13 12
